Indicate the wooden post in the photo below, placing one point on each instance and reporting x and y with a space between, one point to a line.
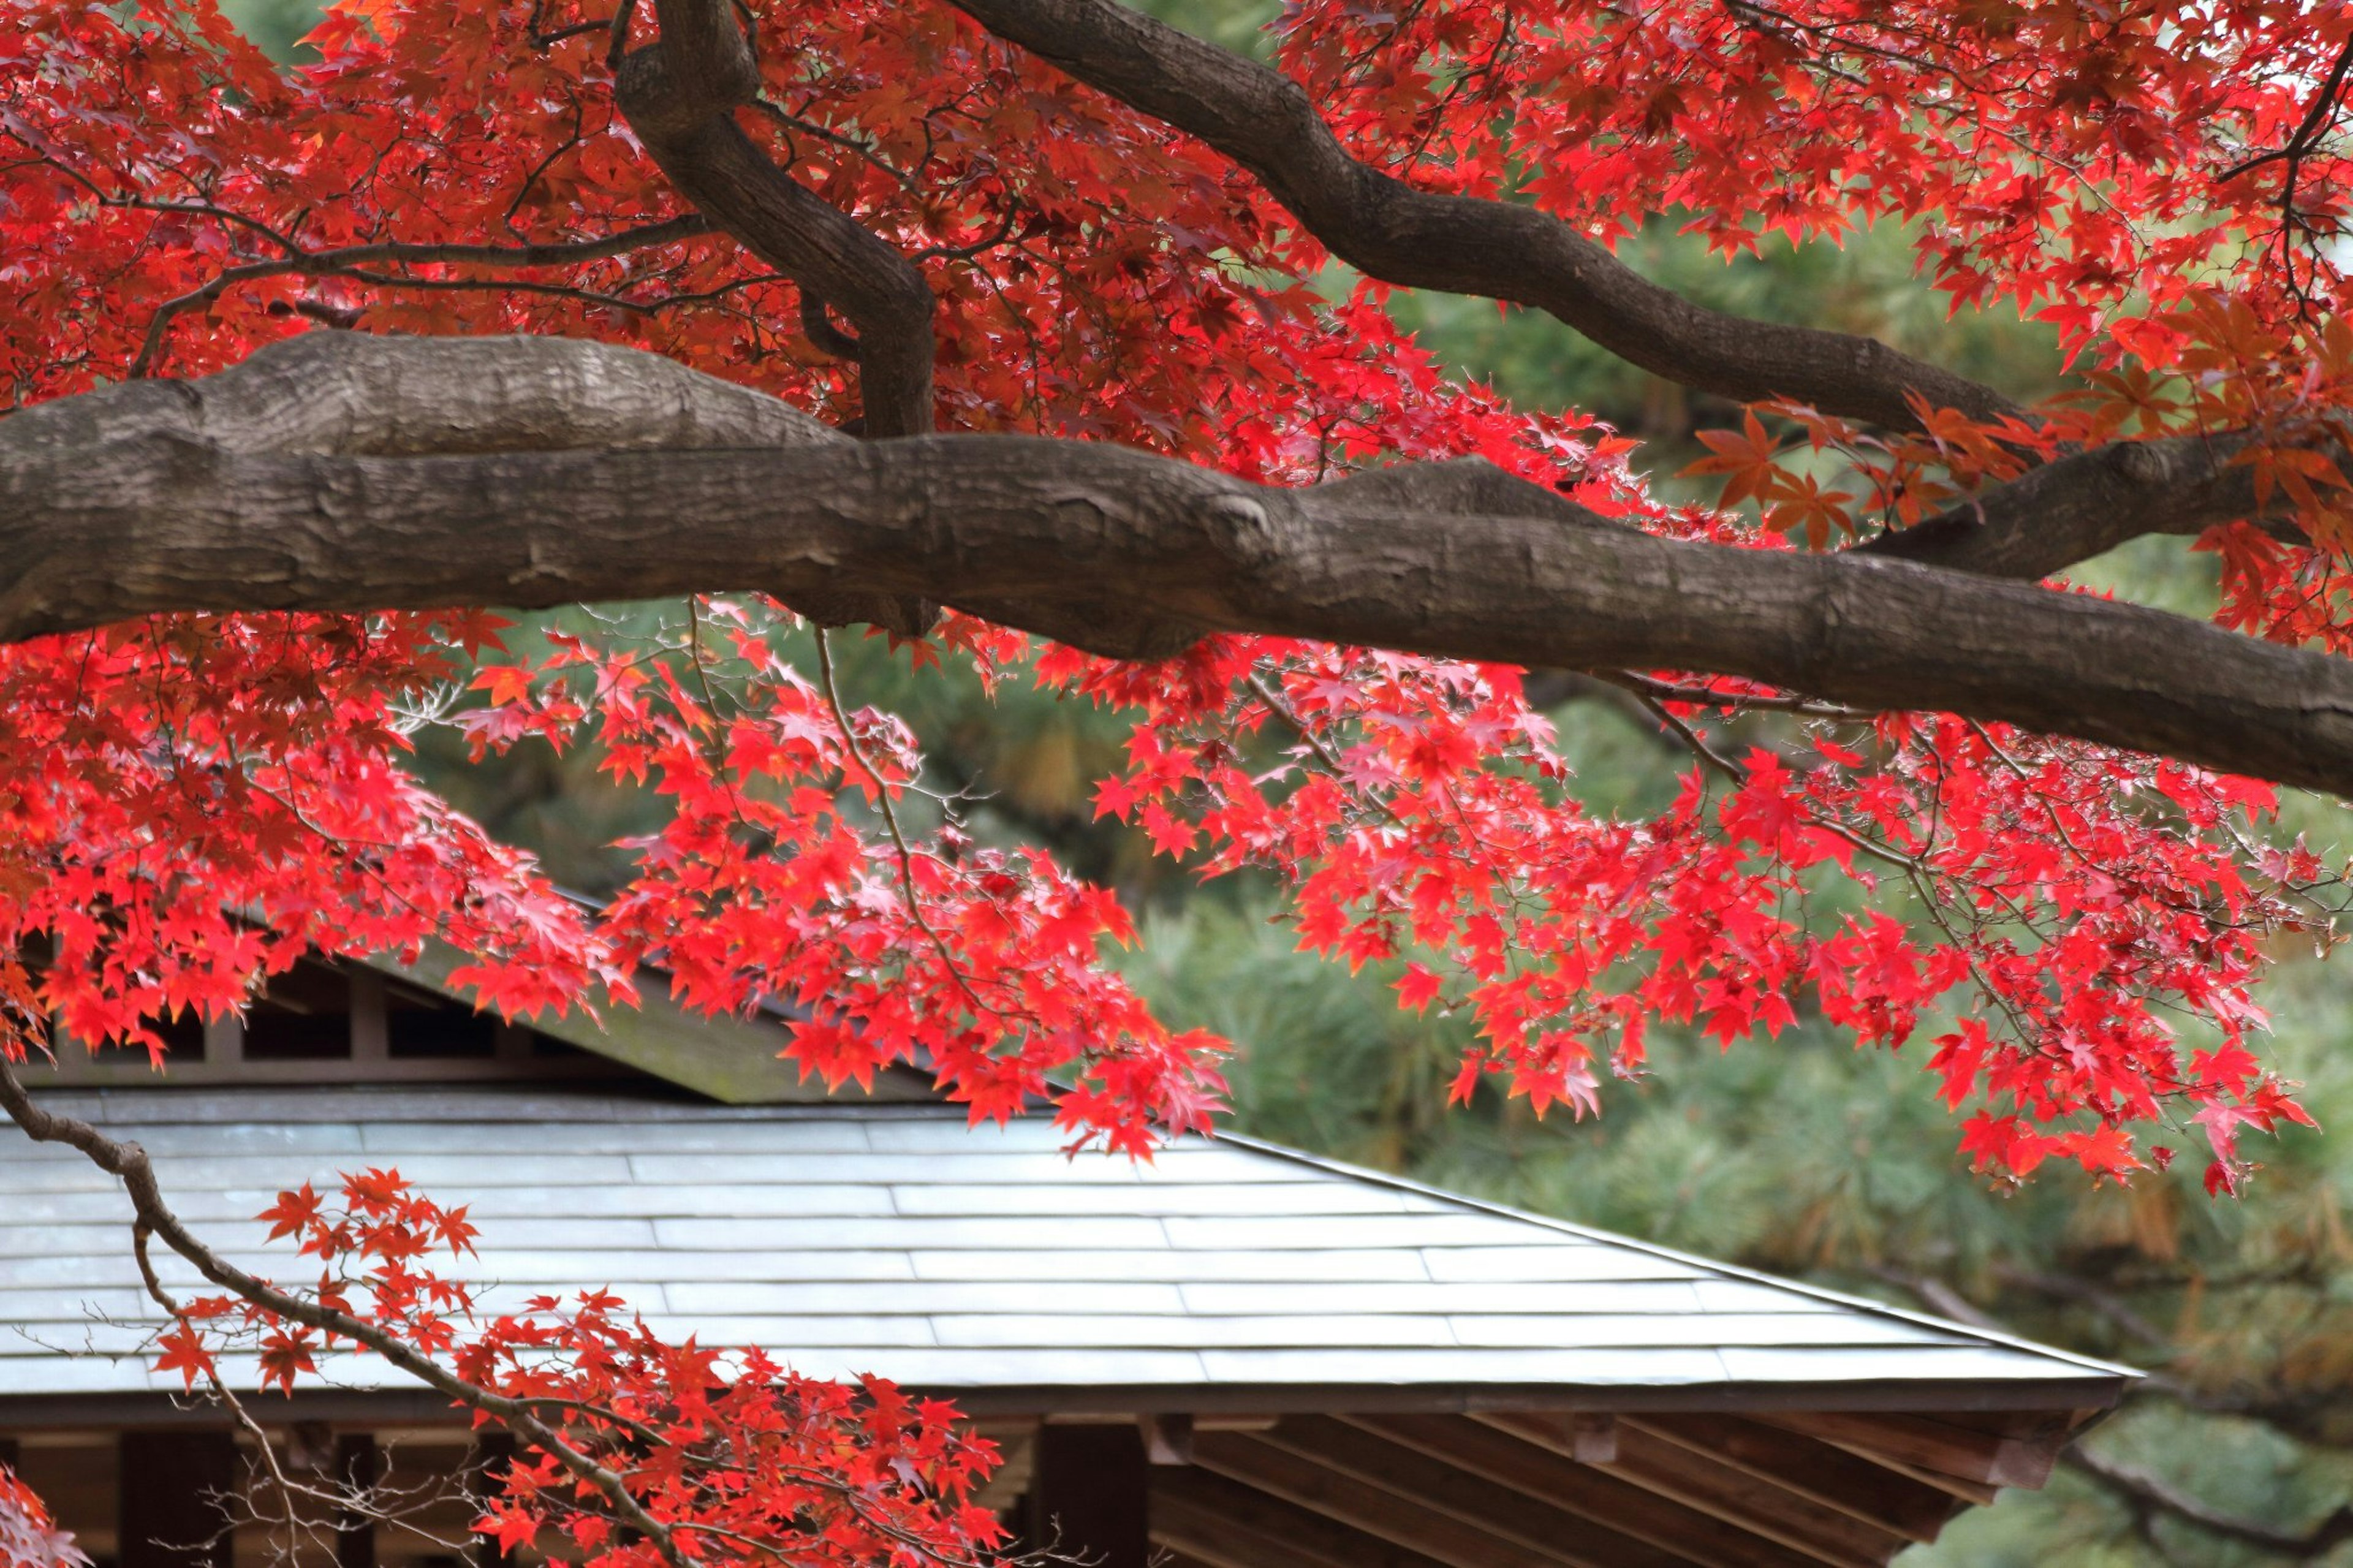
359 1465
1087 1495
170 1494
494 1452
371 1032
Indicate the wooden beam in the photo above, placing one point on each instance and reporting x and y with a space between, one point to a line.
1530 1519
172 1489
1702 1481
1545 1469
1862 1489
1089 1495
1230 1524
1167 1438
1309 1482
1923 1443
1970 1493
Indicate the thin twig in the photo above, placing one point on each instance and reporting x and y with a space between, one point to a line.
890 822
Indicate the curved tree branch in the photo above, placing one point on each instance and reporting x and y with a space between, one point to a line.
2067 512
1105 547
680 96
1266 123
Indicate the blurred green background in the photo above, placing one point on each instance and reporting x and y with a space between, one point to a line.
1799 1155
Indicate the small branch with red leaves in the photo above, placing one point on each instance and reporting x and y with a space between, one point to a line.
129 1163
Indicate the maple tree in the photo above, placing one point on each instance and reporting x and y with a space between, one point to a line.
1008 329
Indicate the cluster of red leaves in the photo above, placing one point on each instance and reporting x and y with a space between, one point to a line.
2164 183
187 803
29 1536
2067 900
2073 157
738 1459
788 874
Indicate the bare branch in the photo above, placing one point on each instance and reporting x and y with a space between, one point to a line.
348 262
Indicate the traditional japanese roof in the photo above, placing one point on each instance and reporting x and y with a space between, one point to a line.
1226 1274
1357 1371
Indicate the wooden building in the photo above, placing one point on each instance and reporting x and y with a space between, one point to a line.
1239 1356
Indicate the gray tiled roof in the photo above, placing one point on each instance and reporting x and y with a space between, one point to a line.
899 1240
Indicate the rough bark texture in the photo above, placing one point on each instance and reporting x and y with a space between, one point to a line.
139 500
1419 239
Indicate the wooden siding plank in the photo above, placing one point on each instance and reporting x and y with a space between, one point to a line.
1570 1259
1927 1444
1312 1233
1240 1298
1777 1329
1171 1266
800 1135
1046 1327
1192 1198
1963 1362
1572 1368
927 1297
1034 1233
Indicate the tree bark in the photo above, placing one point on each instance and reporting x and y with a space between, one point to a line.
142 500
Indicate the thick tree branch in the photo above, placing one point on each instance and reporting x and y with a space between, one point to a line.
680 95
1267 123
1102 546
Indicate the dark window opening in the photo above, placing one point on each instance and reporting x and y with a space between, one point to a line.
422 1027
183 1034
305 1016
